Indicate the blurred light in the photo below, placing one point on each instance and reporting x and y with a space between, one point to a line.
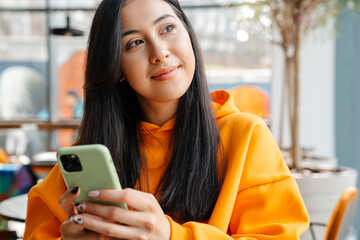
242 35
350 4
266 9
247 12
265 21
250 1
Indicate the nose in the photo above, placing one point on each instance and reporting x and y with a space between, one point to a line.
159 52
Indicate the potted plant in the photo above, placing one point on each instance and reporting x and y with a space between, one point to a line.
292 21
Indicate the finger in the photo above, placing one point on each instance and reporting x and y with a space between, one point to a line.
66 200
114 213
106 228
70 230
133 198
94 217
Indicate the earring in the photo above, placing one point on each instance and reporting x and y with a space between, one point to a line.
122 79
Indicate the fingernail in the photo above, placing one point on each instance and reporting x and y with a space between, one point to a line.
94 193
74 190
80 206
76 219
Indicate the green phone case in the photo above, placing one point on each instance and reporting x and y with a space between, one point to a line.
98 171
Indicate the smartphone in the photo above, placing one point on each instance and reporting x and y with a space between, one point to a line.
89 167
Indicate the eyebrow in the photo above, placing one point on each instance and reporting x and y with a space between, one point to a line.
156 21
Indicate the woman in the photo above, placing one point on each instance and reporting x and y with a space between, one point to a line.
188 174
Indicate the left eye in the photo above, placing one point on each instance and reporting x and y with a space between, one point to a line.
168 28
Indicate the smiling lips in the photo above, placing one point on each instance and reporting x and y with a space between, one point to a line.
166 73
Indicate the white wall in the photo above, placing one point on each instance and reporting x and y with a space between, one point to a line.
317 94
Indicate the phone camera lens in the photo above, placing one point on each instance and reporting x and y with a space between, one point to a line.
71 163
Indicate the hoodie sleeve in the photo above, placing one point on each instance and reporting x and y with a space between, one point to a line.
267 203
44 215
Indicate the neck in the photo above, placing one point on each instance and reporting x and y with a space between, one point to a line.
158 113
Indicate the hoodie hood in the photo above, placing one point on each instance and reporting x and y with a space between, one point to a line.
223 105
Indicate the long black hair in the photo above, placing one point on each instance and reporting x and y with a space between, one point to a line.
190 185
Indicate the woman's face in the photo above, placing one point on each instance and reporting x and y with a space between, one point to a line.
158 60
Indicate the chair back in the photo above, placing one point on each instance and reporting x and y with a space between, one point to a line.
8 235
343 215
251 99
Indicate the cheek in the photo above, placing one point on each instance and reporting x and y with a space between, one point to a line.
132 67
126 64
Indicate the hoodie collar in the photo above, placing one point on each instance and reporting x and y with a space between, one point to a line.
150 128
223 103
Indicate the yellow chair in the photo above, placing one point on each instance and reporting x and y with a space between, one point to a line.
341 217
251 99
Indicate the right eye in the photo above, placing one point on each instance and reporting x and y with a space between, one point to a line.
134 44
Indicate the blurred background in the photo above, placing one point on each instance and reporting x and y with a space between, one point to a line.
42 55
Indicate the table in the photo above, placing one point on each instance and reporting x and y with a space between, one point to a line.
42 163
42 125
14 208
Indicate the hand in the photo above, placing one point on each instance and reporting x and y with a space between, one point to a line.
69 229
145 220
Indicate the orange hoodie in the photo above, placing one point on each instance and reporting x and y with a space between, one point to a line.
259 198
